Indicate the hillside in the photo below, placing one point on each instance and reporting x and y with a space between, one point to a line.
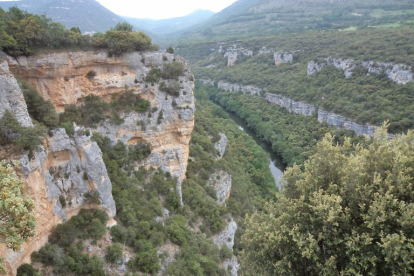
264 17
166 26
88 15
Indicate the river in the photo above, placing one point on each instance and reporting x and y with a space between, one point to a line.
275 162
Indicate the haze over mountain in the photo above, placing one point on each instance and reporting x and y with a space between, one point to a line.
88 15
166 26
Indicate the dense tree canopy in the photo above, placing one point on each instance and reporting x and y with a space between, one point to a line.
350 212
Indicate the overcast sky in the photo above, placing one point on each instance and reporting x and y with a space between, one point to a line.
162 9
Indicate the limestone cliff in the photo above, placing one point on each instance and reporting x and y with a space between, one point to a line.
399 73
62 175
65 78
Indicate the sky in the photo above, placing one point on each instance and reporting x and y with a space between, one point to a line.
162 9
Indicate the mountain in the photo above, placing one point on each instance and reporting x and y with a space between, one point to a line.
166 26
88 15
246 18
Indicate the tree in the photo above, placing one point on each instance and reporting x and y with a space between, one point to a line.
170 50
350 212
17 220
114 253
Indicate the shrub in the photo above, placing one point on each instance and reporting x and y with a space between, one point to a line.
173 70
170 50
173 89
91 74
114 253
27 270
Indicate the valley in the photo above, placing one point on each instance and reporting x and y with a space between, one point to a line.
271 138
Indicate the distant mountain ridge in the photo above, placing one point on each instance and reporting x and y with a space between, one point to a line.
88 15
166 26
246 18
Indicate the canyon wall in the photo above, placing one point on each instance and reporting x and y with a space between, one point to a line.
298 107
64 78
68 171
398 73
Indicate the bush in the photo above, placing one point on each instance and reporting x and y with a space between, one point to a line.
170 50
27 270
173 70
173 89
114 253
91 74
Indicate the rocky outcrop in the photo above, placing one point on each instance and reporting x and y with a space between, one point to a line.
60 176
226 236
221 145
331 119
245 89
59 179
282 57
291 105
65 78
398 73
234 52
221 182
11 96
232 265
206 81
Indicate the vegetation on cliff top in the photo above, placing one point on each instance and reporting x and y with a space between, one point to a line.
22 33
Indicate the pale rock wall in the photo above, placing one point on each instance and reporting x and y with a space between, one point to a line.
226 236
62 78
58 170
305 109
399 73
245 89
282 57
221 182
221 145
11 96
234 52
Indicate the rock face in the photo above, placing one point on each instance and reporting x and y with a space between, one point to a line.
234 52
63 78
221 182
226 237
59 178
11 96
398 73
282 57
305 109
221 145
246 89
291 105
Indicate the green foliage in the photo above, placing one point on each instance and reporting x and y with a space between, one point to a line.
177 230
21 33
39 109
114 253
293 137
144 261
153 75
27 138
349 212
94 110
27 270
69 260
170 50
17 219
172 88
88 224
173 70
123 27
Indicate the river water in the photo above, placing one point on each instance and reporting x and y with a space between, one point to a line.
275 162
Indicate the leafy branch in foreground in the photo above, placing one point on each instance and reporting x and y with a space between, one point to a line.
349 212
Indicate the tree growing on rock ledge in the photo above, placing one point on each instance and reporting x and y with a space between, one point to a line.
350 212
